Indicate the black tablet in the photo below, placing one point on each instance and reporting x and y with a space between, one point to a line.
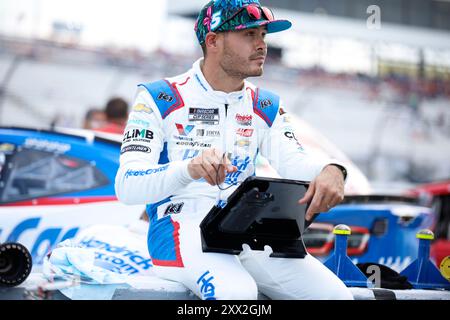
258 199
261 211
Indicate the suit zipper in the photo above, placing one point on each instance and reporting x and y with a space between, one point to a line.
224 145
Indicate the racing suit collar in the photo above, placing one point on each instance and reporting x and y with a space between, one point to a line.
216 96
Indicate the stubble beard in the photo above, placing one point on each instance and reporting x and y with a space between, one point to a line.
236 66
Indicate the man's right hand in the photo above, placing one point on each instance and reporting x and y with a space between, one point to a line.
212 165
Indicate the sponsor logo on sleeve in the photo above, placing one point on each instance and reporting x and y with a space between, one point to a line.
135 135
266 103
244 120
174 208
135 148
142 108
165 97
204 115
138 122
141 173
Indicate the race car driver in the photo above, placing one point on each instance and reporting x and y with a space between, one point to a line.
191 139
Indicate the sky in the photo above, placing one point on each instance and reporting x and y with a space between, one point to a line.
123 23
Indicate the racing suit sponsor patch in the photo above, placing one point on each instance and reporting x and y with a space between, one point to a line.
183 138
241 164
135 148
173 208
244 132
138 122
140 173
208 133
142 108
266 103
189 154
184 131
204 116
291 136
143 135
242 143
221 203
244 120
165 97
194 144
207 288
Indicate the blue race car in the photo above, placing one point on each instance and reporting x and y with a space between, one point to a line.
383 229
54 183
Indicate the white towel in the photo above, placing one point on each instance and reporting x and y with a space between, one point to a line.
68 259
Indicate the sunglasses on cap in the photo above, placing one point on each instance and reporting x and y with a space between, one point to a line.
254 12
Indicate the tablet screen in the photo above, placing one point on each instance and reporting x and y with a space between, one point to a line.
258 200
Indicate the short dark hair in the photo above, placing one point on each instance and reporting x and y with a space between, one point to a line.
203 45
116 108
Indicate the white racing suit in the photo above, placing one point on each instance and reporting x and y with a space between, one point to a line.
174 120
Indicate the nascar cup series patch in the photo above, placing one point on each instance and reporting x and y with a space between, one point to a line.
204 116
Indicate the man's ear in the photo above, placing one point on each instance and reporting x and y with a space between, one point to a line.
212 41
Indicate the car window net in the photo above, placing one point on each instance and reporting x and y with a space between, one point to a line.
34 173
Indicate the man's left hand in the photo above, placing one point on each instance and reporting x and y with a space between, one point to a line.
325 191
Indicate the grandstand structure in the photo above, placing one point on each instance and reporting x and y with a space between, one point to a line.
419 13
415 13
